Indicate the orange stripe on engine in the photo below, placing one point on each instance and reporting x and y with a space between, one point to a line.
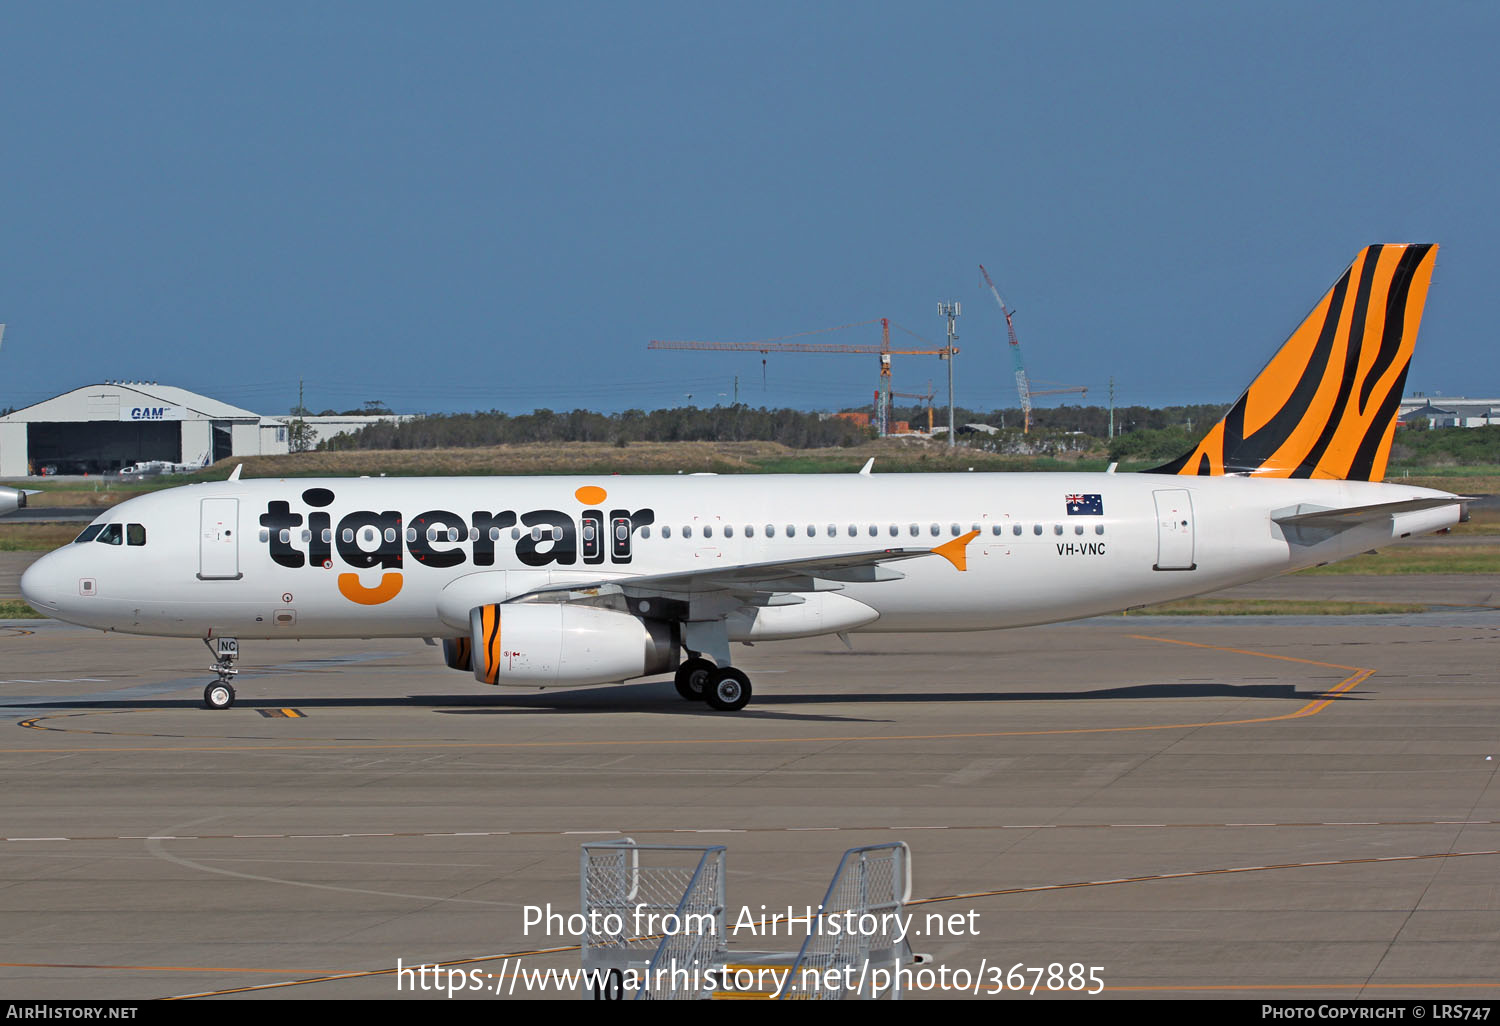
490 621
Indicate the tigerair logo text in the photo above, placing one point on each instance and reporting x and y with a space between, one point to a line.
440 538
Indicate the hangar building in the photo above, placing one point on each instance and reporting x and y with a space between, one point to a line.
100 428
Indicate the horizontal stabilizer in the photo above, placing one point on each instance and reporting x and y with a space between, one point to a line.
1353 516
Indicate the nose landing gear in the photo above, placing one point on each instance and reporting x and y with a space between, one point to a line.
220 693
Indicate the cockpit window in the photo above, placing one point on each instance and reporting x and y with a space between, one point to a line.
112 534
135 534
89 533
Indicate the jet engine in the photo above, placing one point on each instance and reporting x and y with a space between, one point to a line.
544 644
458 653
11 499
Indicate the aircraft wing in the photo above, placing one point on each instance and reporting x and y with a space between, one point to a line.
813 573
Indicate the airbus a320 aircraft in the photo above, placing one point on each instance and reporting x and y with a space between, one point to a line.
553 581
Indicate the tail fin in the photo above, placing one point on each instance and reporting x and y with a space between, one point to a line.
1325 406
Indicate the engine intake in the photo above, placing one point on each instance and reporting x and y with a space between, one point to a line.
541 644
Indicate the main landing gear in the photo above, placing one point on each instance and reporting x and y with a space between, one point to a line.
723 687
220 693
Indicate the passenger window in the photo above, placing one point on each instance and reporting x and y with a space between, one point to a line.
411 535
92 531
347 535
111 535
1036 528
874 531
770 530
473 534
494 534
1016 529
588 532
431 534
453 534
708 530
286 536
536 534
390 536
135 534
1077 528
306 537
687 531
1098 528
791 530
515 534
853 530
833 530
895 530
749 530
729 530
812 532
915 530
645 532
995 530
1057 528
265 534
936 530
621 532
955 530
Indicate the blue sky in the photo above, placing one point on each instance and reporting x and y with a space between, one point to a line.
464 206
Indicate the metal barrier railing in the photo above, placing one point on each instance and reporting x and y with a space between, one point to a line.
654 918
867 893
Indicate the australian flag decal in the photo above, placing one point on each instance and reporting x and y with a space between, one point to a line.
1091 505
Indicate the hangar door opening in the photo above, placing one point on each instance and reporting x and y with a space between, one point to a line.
223 441
101 446
1174 530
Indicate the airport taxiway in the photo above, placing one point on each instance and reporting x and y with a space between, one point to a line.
1243 807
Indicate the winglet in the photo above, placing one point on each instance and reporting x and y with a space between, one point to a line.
865 470
956 551
234 475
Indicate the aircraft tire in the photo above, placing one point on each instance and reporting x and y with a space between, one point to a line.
692 679
728 690
218 695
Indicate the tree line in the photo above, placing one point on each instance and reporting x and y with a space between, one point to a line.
796 429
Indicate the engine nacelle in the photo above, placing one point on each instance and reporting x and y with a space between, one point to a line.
458 653
544 644
11 499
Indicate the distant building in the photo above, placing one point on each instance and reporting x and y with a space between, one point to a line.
1448 411
100 428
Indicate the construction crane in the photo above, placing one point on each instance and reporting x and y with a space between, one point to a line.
926 397
1023 386
779 345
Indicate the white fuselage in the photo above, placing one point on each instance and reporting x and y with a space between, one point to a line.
249 559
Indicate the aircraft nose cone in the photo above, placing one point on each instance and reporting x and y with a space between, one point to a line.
40 586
